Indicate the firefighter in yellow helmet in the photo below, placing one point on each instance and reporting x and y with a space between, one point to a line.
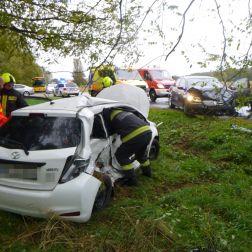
10 98
107 82
2 117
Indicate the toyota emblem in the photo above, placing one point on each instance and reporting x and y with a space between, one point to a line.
15 155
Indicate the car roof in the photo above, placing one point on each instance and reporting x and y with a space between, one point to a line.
196 76
152 69
67 106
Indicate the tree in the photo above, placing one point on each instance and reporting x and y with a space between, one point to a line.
100 31
78 74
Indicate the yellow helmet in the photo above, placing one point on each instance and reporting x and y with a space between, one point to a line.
107 82
8 79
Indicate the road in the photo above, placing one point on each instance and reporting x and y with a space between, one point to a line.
162 103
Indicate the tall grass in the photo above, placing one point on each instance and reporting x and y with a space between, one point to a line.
199 195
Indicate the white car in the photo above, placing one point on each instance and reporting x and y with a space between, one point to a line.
25 90
54 156
66 89
50 88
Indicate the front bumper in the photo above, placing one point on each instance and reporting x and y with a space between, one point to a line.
207 105
162 92
77 195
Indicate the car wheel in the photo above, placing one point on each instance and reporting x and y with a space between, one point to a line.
171 105
154 150
232 110
61 94
103 194
153 95
54 94
187 111
26 93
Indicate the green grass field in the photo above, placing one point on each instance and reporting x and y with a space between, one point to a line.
200 195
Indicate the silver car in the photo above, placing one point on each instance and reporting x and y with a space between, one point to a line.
25 90
50 88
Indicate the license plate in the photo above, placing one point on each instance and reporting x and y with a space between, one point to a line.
21 171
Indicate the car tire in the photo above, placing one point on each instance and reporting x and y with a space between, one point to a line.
153 95
54 94
26 93
103 194
61 94
232 110
154 150
187 110
171 105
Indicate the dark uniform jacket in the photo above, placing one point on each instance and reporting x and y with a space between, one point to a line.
11 100
127 125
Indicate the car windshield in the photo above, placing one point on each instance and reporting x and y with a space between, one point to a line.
204 82
127 74
160 74
41 133
71 85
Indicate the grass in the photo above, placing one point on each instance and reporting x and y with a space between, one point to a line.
200 195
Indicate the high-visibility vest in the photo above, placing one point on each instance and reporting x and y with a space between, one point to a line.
2 117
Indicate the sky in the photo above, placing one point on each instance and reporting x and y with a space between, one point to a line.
202 26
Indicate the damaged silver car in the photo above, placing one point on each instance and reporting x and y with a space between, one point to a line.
59 156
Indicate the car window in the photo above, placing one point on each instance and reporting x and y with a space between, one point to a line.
241 83
204 82
18 86
41 133
61 85
160 74
177 82
71 85
182 83
98 129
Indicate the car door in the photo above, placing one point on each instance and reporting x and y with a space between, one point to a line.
174 92
181 92
56 91
240 88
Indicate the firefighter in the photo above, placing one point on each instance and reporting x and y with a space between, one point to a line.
2 117
135 135
107 82
11 99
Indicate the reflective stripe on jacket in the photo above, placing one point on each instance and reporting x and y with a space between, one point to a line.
128 125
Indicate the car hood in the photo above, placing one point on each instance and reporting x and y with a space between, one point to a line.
219 94
129 94
165 81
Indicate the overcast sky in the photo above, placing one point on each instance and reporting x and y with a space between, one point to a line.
202 27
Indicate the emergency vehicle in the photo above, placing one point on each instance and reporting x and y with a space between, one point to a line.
124 75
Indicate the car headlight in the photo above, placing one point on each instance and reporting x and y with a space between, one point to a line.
79 166
160 86
192 98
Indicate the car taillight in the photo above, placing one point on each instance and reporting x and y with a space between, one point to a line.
64 88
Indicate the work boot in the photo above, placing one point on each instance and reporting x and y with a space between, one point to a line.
129 178
146 171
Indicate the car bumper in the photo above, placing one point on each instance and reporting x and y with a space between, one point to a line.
77 195
207 106
71 93
162 92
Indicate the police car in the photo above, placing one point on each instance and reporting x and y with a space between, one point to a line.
58 157
66 89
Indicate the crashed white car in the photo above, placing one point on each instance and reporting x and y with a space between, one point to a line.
57 157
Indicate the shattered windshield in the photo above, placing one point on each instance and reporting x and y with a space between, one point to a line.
41 133
204 82
127 74
160 74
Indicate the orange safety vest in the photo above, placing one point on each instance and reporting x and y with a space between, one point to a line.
2 117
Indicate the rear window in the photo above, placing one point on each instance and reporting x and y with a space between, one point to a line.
40 133
71 85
